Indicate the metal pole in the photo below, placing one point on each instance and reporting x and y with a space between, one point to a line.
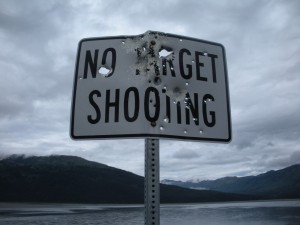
152 195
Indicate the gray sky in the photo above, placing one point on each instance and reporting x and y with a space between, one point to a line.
262 39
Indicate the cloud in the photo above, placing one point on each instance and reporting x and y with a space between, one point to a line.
185 154
37 59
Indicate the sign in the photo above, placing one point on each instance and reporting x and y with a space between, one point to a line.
151 85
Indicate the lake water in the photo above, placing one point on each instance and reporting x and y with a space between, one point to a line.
284 212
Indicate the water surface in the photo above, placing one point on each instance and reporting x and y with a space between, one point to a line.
284 212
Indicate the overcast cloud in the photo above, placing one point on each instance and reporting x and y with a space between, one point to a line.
262 39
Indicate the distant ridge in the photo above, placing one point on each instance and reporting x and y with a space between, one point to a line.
76 180
53 160
284 183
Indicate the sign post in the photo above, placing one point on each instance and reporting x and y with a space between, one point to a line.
152 189
154 85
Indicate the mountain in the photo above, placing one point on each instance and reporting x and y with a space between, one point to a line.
284 183
76 180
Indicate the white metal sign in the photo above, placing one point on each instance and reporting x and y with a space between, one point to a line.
152 85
